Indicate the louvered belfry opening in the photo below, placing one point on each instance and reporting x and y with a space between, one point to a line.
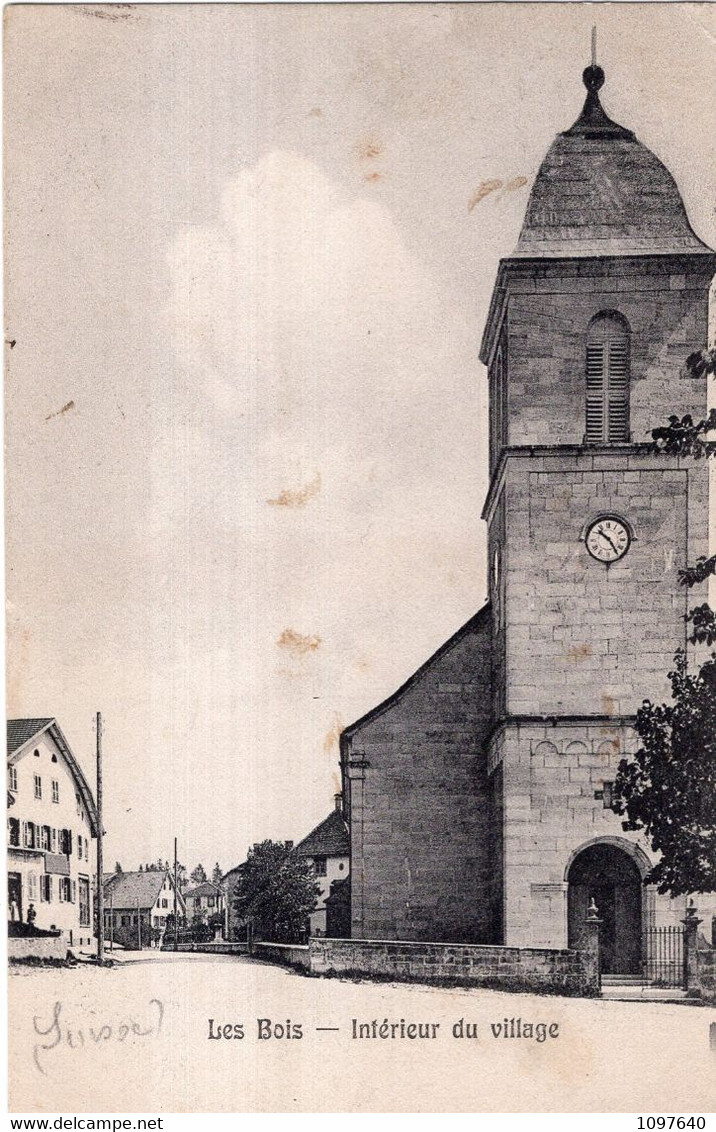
607 379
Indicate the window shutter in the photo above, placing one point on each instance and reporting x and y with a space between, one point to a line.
595 391
607 380
618 407
74 891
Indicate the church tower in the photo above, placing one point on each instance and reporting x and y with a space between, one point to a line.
592 318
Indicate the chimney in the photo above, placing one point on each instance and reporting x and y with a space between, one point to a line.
338 802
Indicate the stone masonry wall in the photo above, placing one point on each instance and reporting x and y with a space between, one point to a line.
546 971
665 301
289 954
27 947
552 773
419 803
583 638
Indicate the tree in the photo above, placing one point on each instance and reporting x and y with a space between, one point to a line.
216 875
199 875
668 788
117 867
277 891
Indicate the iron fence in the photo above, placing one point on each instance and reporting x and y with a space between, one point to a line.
664 957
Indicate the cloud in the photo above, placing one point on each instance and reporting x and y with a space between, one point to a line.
299 471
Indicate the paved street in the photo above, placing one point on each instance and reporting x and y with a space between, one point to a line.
136 1038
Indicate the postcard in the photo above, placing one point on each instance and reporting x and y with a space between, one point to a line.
360 684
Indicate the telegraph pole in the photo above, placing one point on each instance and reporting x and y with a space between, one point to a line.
100 832
175 895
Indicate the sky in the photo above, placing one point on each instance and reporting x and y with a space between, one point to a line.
249 256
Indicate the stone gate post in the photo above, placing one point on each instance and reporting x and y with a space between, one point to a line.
592 946
691 960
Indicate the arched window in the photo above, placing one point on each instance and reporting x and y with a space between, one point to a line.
607 401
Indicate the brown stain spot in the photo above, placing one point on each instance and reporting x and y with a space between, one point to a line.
297 497
369 150
298 644
315 113
337 787
483 190
608 705
579 652
515 183
373 177
333 735
65 409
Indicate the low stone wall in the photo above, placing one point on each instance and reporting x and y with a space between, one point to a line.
543 970
289 954
37 947
216 947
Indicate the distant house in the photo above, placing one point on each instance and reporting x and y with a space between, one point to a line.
327 848
137 905
52 825
338 909
234 925
204 901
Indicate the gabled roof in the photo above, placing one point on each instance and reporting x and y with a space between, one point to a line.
22 732
329 839
236 869
207 888
482 617
136 890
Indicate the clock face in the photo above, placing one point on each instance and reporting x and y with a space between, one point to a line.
608 539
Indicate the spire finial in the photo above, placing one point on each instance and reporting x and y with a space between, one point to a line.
593 122
593 76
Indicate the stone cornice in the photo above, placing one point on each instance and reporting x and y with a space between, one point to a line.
605 266
602 453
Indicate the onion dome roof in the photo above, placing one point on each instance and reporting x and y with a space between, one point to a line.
599 191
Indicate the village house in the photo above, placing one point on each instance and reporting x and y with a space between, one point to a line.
479 795
234 925
52 826
327 849
137 907
203 902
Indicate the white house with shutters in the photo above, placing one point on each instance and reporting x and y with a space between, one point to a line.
51 830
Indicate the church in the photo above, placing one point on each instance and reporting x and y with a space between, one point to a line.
479 795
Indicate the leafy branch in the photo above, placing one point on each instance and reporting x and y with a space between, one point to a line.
683 436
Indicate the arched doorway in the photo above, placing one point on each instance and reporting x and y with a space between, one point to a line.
610 876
